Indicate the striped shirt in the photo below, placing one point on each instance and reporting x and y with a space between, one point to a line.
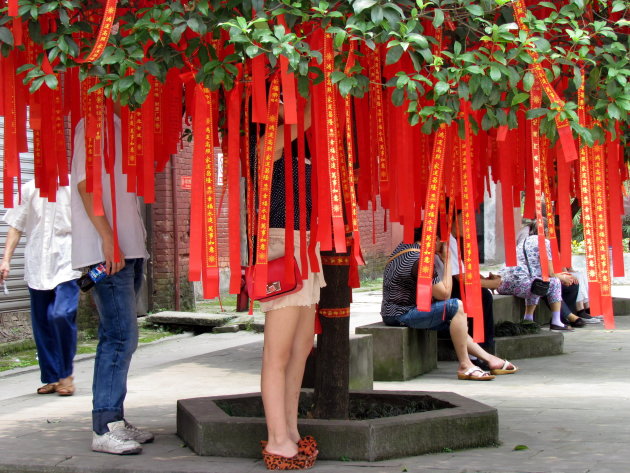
399 282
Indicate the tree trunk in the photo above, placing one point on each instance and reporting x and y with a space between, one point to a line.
331 396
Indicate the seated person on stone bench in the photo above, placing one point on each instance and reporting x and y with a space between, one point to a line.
399 309
517 280
488 284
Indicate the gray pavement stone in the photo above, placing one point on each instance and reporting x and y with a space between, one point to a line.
572 411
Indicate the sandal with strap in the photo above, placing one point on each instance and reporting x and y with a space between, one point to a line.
66 388
48 388
469 375
278 462
505 369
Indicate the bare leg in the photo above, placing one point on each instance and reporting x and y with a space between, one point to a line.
280 330
459 335
529 312
302 345
474 349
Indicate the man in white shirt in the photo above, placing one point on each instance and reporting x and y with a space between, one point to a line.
115 296
52 283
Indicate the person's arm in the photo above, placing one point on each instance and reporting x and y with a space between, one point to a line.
442 289
12 240
104 230
492 282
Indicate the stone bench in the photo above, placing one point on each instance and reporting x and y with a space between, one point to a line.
400 353
512 308
360 369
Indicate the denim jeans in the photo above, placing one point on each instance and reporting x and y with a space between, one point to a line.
54 322
438 318
115 298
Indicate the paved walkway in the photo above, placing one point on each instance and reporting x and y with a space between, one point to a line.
572 412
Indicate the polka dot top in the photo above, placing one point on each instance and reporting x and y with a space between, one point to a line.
278 201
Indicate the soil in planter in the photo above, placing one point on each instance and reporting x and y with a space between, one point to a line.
362 406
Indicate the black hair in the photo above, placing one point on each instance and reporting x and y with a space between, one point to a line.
417 233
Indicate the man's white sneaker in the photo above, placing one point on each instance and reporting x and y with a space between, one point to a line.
140 436
116 441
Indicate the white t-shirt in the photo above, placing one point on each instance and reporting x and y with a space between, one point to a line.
47 261
453 258
87 248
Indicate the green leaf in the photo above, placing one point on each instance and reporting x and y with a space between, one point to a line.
48 7
495 73
438 19
398 96
345 86
377 14
613 111
536 113
51 81
521 447
393 55
528 81
360 5
6 36
441 88
475 10
519 98
542 45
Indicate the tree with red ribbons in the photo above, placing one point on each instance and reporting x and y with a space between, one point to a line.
386 78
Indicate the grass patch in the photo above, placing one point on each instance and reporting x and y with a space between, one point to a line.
226 304
370 285
86 344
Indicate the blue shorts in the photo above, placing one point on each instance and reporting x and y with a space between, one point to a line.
438 318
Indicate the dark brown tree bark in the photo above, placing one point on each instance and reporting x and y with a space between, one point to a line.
331 395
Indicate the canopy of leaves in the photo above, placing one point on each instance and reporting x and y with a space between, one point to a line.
482 56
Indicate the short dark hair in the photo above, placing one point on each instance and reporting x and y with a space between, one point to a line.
417 233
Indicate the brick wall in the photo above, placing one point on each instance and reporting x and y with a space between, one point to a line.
376 241
161 270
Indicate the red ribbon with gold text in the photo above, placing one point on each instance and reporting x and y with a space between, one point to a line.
536 97
104 31
264 189
564 129
332 141
472 282
588 219
430 225
598 180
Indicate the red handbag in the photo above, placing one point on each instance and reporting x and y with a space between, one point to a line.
279 281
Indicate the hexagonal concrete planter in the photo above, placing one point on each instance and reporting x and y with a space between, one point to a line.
452 421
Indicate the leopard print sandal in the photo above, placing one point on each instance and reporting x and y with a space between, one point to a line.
278 462
307 445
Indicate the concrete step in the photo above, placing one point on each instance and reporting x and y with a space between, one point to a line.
401 353
196 321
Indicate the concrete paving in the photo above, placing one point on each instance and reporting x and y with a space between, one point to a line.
561 414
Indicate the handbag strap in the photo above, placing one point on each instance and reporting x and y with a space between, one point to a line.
408 250
529 269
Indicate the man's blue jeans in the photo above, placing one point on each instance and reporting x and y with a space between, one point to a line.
54 322
115 298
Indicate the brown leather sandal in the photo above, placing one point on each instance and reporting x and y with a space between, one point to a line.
66 387
278 462
48 388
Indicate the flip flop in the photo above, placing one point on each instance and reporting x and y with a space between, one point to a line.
468 375
504 369
48 388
